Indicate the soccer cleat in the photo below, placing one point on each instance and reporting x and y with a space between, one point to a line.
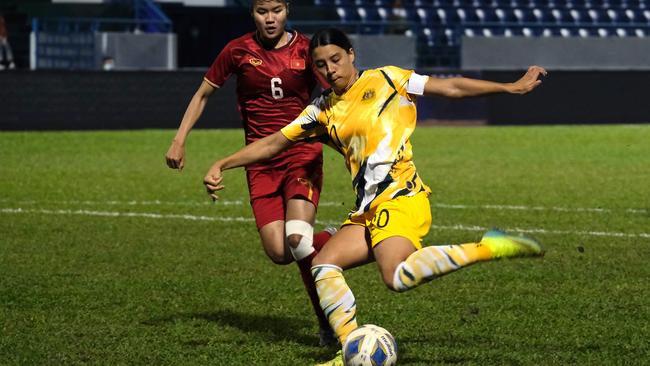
336 361
327 337
504 245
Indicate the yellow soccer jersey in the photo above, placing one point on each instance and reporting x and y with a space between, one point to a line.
370 125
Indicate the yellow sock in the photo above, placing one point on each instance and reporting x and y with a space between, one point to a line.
430 262
336 299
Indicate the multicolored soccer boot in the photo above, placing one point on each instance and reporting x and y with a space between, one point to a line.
504 245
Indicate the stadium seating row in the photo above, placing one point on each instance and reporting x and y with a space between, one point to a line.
449 37
566 4
491 15
439 25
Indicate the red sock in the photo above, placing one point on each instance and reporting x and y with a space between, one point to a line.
320 239
308 280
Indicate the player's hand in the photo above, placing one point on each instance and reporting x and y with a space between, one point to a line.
212 181
175 156
529 81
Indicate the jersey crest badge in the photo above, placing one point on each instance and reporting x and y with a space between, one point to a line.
368 94
255 61
297 64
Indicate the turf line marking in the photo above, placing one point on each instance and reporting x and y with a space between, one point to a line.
333 204
126 214
328 223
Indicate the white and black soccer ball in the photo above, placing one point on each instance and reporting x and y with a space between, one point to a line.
370 345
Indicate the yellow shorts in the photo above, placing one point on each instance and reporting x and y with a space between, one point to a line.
405 216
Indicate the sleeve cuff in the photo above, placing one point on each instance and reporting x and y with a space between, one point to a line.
416 84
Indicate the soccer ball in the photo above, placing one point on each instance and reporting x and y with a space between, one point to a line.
370 345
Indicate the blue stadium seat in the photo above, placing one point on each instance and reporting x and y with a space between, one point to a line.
425 16
348 14
546 32
621 32
543 15
443 15
385 14
429 36
614 15
368 13
527 32
447 37
596 15
344 3
486 15
580 16
603 32
466 15
631 16
505 15
524 15
560 15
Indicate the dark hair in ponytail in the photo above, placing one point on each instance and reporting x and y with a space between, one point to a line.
327 36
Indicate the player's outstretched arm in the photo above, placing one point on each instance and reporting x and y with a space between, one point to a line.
465 87
259 150
175 156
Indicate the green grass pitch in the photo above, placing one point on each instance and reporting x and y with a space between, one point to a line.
107 257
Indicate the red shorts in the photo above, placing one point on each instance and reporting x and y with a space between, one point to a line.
270 189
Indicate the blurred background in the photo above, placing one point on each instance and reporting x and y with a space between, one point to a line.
120 64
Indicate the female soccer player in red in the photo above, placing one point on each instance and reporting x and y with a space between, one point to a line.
275 80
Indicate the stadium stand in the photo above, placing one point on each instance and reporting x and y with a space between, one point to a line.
440 25
70 42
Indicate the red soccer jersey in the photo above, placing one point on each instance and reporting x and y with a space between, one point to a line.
273 87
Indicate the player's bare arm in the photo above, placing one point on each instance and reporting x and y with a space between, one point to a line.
258 151
465 87
175 156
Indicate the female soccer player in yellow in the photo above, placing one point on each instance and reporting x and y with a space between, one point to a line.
368 117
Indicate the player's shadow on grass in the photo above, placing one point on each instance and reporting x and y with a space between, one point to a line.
272 328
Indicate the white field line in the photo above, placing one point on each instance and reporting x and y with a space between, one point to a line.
331 204
153 215
149 215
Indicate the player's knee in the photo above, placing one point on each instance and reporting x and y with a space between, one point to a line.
294 240
277 253
299 238
281 260
388 277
